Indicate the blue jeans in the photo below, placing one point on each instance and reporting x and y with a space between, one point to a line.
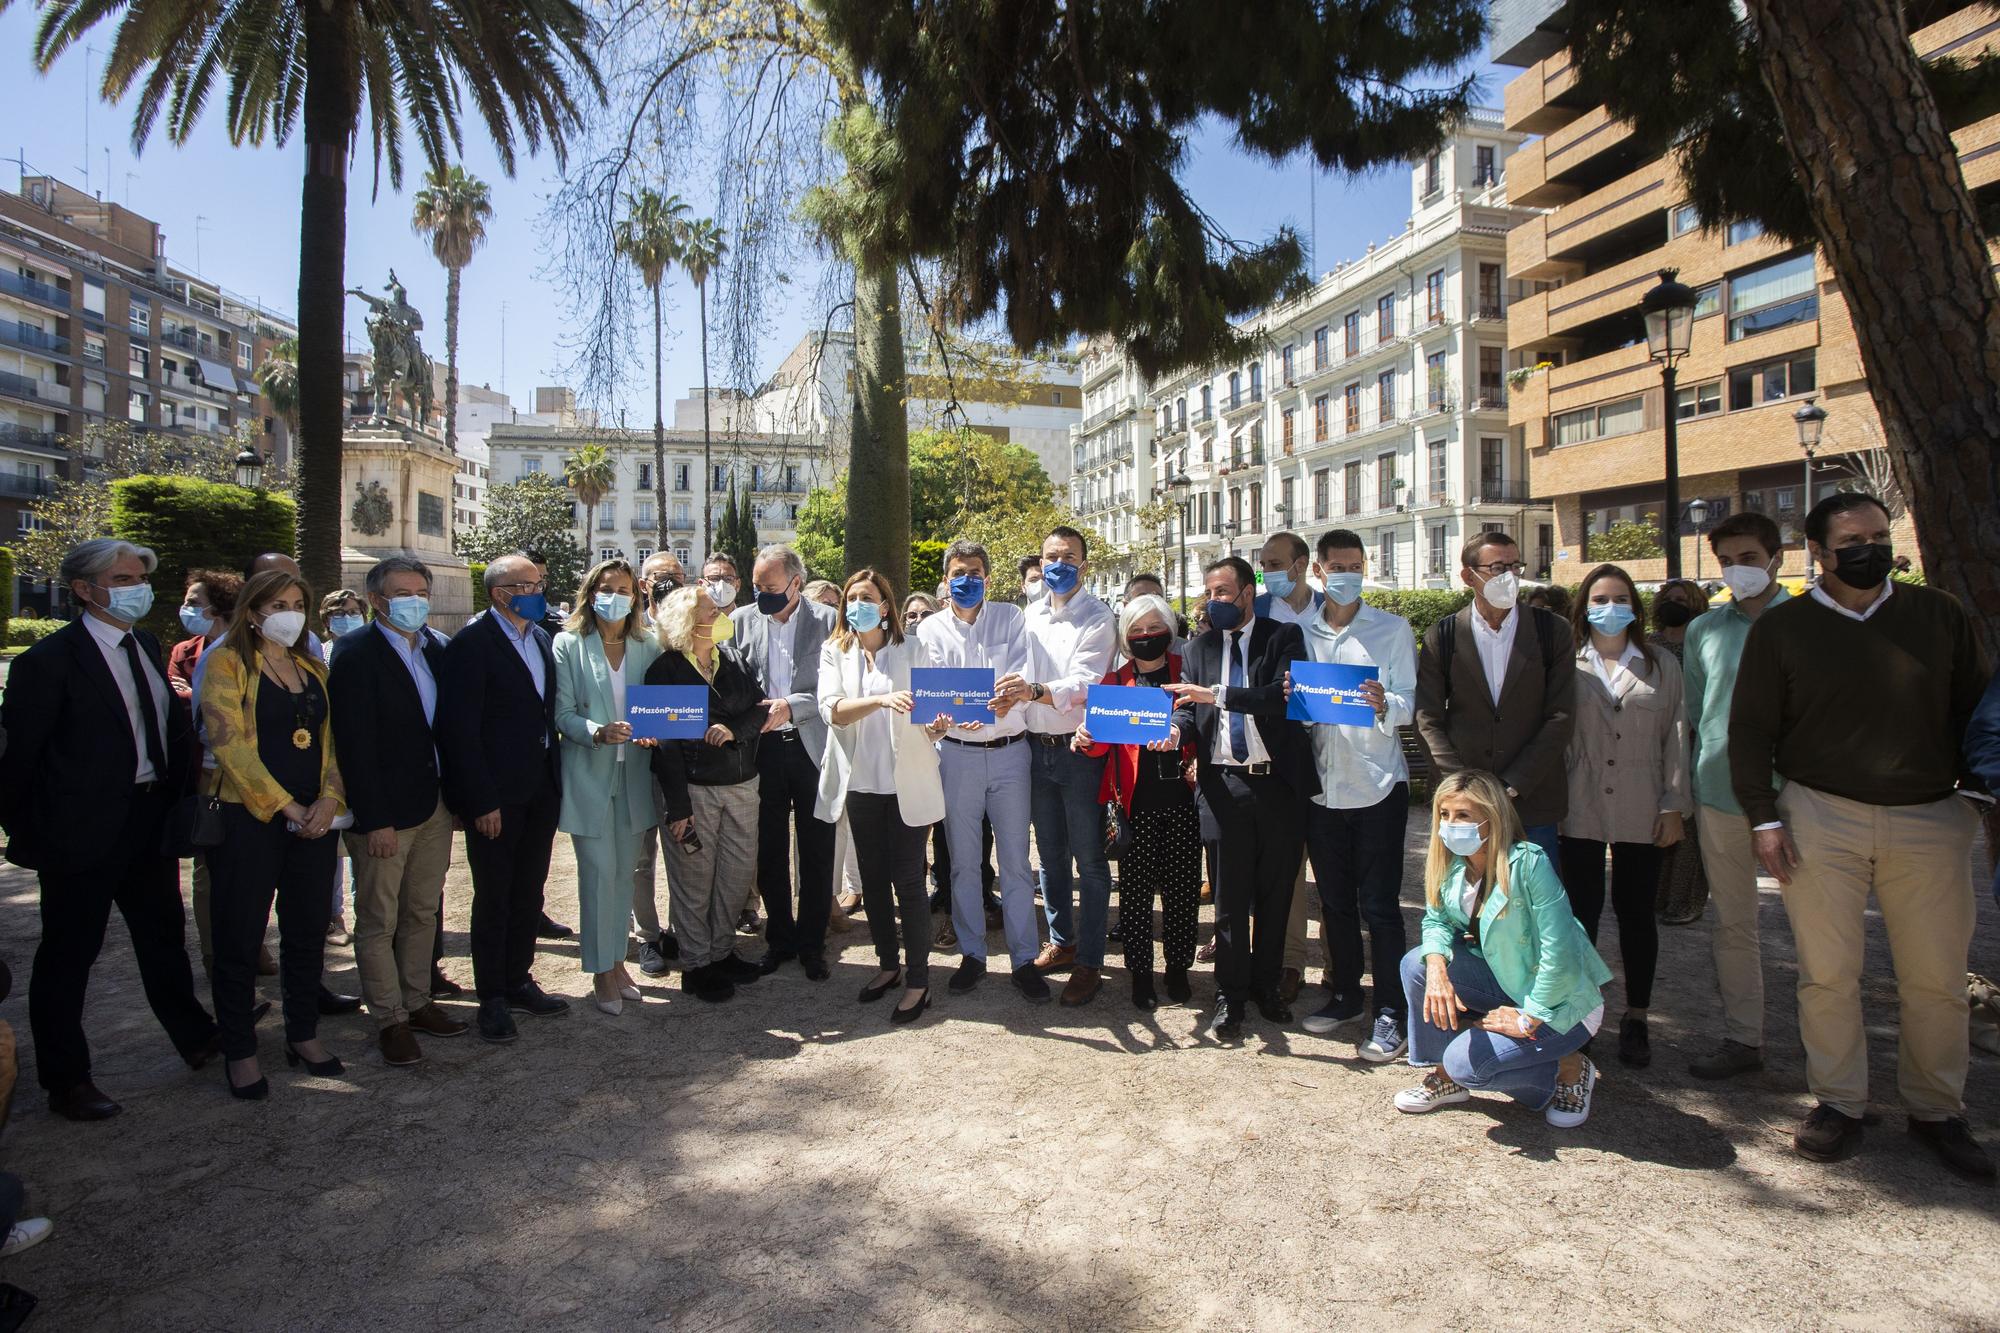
1544 837
1069 822
982 783
1473 1057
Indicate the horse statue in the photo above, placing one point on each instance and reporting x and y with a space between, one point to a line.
402 372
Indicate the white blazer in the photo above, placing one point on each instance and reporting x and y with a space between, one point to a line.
919 790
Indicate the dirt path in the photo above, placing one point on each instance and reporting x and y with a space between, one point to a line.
788 1160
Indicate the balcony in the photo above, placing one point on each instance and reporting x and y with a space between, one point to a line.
20 486
646 524
1436 499
1502 492
607 524
1203 417
16 436
189 387
34 339
20 386
1492 396
16 285
1241 402
680 525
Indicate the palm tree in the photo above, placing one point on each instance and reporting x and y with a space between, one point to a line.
313 65
590 472
451 209
648 235
279 378
701 248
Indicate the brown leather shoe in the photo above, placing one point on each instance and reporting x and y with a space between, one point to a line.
399 1045
435 1022
1289 983
1054 957
83 1102
1206 953
1083 983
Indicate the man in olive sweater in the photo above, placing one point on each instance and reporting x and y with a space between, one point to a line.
1857 695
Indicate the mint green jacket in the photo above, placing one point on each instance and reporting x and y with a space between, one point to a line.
1535 946
590 772
1710 655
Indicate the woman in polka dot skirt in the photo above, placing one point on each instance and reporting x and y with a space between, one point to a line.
1155 784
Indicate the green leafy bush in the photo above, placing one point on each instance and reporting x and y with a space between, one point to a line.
194 524
1422 607
926 566
476 571
27 633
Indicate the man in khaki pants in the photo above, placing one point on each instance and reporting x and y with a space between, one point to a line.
1857 696
383 688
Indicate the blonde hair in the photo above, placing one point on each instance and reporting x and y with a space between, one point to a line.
583 617
1503 830
673 619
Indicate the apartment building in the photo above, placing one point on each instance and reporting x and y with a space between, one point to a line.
1378 401
1771 328
1113 466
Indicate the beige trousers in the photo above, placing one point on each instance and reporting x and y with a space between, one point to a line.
1305 906
396 900
1729 860
1916 860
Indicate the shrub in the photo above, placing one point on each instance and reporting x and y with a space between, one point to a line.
27 633
1422 607
1625 540
476 571
194 524
926 566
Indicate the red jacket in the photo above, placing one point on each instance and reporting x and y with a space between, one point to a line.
1124 763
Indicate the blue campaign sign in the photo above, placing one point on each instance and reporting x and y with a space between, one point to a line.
961 693
1331 692
1127 714
667 712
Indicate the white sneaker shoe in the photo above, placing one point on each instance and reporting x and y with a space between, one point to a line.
1570 1106
1436 1090
26 1234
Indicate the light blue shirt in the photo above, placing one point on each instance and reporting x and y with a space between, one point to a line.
419 667
530 651
1360 766
1710 655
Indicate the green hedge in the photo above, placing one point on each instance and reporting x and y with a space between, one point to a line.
27 633
193 524
476 571
1422 607
926 566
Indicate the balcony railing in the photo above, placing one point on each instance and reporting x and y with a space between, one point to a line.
35 291
22 486
30 336
680 524
24 436
1492 395
1512 492
607 524
647 524
19 385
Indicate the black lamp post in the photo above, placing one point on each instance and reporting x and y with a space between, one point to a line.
1697 515
1179 487
1811 421
1669 314
249 468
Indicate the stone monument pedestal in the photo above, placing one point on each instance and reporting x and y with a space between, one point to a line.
396 481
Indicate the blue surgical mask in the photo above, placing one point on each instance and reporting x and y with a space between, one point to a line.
340 625
863 616
129 604
1460 839
409 613
1225 616
1279 583
530 606
968 590
1344 589
196 621
1610 618
611 605
1059 578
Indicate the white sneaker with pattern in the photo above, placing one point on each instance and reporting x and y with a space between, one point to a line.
1436 1090
1570 1106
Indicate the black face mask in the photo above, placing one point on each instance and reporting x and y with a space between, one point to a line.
1864 567
1148 647
1671 615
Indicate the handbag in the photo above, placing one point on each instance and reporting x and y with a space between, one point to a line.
1117 824
195 823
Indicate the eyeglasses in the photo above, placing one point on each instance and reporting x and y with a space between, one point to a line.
914 617
537 586
1499 567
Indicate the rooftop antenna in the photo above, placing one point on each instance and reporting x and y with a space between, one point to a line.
88 53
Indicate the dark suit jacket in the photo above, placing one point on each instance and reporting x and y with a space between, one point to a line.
66 774
735 701
497 736
388 751
1273 648
1522 740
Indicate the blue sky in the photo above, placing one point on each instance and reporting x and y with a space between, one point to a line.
231 214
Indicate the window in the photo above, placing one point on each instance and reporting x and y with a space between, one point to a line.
1385 481
720 481
1435 447
1433 181
1595 423
1435 566
1434 296
1351 405
756 476
607 515
1350 332
1773 296
1707 300
1287 360
1286 512
645 553
1180 414
531 464
1235 388
1207 403
680 476
1437 379
93 348
1682 220
1256 507
1385 317
142 319
1286 427
645 476
93 297
1738 232
430 514
1055 397
607 553
243 354
136 405
1771 381
1350 478
1385 396
1492 383
642 513
141 363
1698 400
1491 306
1319 417
1320 355
1322 492
1492 456
1256 382
1385 553
791 477
1485 170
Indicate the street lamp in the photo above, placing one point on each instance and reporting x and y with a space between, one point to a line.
1669 313
1811 421
249 468
1179 487
1697 512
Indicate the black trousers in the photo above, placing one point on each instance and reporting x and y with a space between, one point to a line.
1635 883
1357 862
787 791
508 875
254 862
891 857
1259 841
76 908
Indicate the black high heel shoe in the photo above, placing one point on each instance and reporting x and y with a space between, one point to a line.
914 1012
327 1068
246 1092
869 994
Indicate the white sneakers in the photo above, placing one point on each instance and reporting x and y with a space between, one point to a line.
25 1235
1436 1090
1570 1106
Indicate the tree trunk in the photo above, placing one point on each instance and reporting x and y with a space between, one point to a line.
451 359
329 117
659 432
878 467
707 452
1898 227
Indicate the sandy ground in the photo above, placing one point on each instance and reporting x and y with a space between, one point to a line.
790 1160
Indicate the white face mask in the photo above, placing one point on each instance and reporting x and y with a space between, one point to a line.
1501 590
283 627
1746 581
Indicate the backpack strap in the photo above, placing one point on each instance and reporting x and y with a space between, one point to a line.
1545 639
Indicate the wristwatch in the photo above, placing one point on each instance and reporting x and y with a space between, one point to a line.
1036 691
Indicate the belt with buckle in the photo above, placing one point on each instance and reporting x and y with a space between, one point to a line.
785 733
988 745
1263 768
1052 739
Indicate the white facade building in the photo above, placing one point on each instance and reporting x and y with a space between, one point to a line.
1113 459
1378 402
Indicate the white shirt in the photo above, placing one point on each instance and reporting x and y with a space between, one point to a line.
110 641
780 655
1819 595
998 638
1223 752
1608 672
1069 650
618 684
1359 766
1495 646
1281 610
874 740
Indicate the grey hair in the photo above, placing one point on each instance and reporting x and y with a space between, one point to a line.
794 567
86 560
673 619
963 549
1137 607
378 577
497 570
